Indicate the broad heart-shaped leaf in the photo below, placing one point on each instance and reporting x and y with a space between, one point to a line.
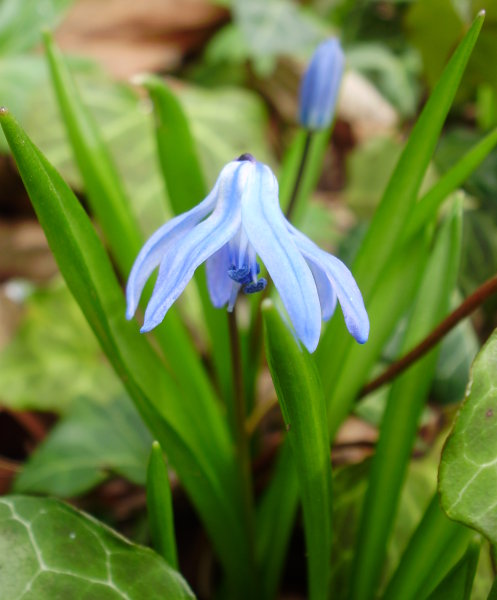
468 468
50 550
21 22
90 443
53 357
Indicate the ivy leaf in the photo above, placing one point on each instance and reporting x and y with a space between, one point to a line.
85 447
50 550
468 468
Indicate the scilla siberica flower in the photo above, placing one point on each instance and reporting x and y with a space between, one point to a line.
320 84
240 219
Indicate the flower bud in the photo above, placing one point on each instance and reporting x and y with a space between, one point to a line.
320 85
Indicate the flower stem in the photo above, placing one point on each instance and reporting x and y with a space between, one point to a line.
470 304
298 180
238 416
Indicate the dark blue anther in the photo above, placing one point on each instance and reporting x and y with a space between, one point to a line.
252 288
246 156
240 275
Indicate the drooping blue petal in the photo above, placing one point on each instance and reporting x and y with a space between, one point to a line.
180 260
326 292
266 229
219 283
152 252
320 85
349 296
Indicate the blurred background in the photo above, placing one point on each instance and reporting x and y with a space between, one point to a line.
66 425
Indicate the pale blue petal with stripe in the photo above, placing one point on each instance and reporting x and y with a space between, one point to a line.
219 282
266 229
153 251
182 259
349 296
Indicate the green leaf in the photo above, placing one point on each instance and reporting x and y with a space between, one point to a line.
275 518
458 584
53 357
109 202
276 27
159 507
176 148
405 404
186 187
301 400
434 547
21 22
388 225
468 468
92 442
194 435
427 207
50 550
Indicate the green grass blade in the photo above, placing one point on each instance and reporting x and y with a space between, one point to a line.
425 210
204 461
404 407
492 595
457 585
389 222
434 547
186 187
302 403
275 518
160 507
109 203
399 284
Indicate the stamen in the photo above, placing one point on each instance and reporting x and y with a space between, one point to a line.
246 156
242 274
253 288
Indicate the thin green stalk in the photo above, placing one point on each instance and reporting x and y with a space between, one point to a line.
300 173
237 416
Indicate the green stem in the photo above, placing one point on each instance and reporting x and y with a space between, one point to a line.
237 417
300 173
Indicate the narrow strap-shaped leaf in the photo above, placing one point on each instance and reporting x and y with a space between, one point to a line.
405 182
391 217
186 187
160 507
458 583
426 208
110 205
399 284
434 547
492 595
404 406
203 461
301 400
275 518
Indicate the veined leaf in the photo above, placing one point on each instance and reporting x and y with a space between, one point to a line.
468 468
63 553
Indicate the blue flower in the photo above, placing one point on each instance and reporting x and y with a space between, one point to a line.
239 220
320 85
